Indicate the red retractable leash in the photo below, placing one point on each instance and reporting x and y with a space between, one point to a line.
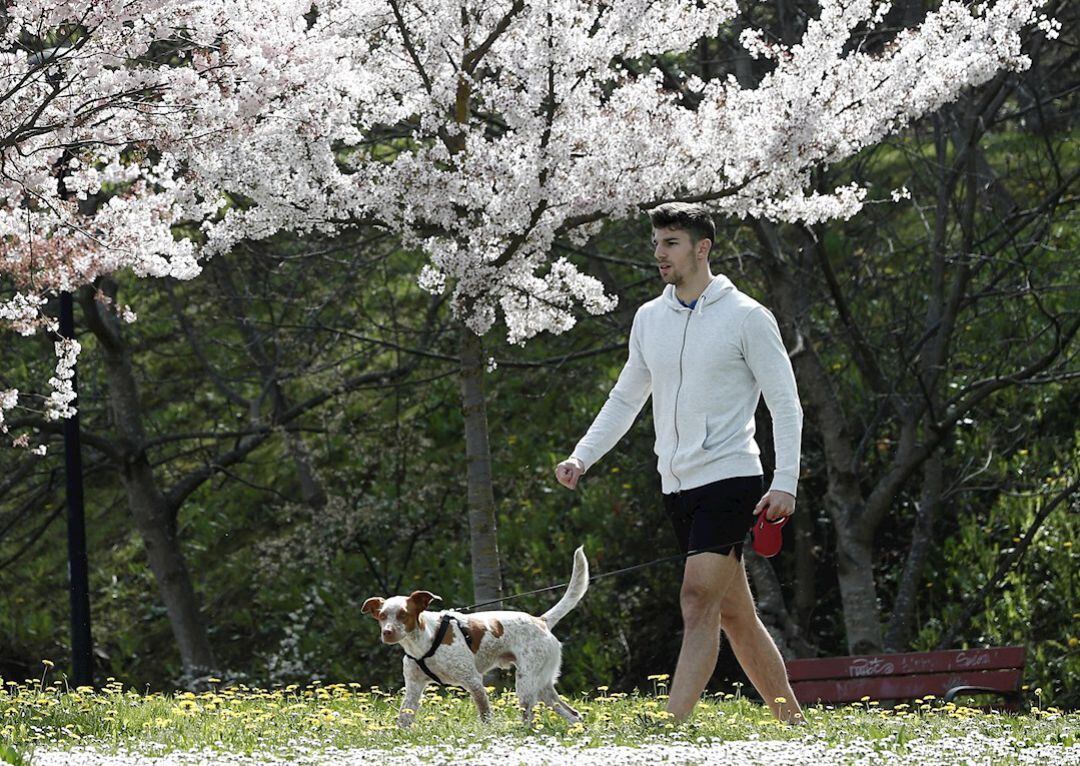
768 537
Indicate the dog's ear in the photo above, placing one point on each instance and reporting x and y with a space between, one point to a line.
419 600
372 605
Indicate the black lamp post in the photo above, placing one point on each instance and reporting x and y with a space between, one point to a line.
82 658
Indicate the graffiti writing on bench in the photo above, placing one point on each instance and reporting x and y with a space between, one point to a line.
864 667
972 659
869 666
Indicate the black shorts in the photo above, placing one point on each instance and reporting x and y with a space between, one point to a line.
716 514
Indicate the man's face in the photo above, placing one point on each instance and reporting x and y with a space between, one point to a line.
676 258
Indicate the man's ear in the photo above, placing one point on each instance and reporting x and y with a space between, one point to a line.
419 599
372 605
704 246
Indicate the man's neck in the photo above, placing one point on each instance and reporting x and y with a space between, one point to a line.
690 290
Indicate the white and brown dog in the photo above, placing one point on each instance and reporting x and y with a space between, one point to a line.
453 648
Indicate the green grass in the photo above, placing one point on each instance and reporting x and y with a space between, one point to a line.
345 716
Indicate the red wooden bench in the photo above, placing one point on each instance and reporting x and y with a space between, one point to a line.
944 674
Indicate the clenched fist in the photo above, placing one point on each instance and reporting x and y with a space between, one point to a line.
569 471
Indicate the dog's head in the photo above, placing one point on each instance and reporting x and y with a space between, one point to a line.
398 615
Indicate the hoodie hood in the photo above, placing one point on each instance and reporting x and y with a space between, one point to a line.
713 292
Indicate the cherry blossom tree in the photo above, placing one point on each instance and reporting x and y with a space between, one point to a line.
477 133
149 135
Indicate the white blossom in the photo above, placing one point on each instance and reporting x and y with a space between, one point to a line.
269 118
8 400
58 404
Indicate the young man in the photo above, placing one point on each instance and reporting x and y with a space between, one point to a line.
706 352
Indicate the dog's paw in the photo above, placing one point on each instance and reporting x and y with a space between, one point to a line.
405 720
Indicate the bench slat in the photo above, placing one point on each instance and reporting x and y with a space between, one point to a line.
903 687
876 665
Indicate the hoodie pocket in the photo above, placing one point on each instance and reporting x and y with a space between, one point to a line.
718 434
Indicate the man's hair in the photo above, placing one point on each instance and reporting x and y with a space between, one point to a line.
687 216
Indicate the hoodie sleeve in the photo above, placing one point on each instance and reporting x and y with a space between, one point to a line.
623 404
765 354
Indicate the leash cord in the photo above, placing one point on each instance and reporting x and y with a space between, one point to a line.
624 570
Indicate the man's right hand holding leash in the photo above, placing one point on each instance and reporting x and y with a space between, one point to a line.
569 471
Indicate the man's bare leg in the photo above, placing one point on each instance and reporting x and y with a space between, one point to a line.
756 651
705 581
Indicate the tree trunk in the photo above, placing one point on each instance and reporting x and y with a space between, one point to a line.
898 633
843 499
158 531
858 593
152 514
487 574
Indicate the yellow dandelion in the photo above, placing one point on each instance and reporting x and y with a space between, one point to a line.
48 663
780 700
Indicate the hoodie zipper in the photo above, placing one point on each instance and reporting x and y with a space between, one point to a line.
671 462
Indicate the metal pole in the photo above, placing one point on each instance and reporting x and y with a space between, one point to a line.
82 667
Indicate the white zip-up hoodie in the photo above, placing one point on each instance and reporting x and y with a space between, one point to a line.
706 369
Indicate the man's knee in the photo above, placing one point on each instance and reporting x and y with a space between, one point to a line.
700 604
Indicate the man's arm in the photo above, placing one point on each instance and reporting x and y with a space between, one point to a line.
765 354
623 404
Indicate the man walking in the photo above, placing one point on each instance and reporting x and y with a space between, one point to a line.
706 352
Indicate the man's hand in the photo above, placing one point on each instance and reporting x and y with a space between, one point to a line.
776 504
569 471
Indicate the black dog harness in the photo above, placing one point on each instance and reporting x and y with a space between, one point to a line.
444 625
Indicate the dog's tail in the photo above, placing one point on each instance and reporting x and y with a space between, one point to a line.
579 583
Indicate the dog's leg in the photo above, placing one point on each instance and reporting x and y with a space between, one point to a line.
475 687
552 699
415 683
527 695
